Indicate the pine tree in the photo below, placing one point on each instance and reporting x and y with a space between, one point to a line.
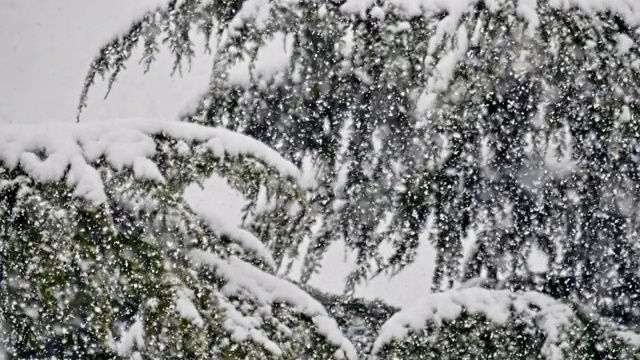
513 120
479 323
102 257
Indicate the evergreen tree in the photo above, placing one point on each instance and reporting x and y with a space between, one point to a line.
515 120
490 324
102 258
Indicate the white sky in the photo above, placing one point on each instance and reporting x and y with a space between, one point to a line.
46 47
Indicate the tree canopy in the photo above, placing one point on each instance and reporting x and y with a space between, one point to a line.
514 121
499 324
491 128
102 258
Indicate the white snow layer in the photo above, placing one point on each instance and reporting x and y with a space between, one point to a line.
267 289
447 29
124 144
628 9
630 338
66 152
552 317
186 308
257 11
132 338
220 206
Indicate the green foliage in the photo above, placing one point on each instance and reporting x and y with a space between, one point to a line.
473 334
117 280
469 335
514 123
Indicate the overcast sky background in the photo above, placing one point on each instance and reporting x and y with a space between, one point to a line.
46 47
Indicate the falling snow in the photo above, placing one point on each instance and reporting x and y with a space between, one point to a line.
495 143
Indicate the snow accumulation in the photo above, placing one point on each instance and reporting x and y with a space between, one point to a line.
70 151
628 9
225 217
267 289
451 27
496 305
257 11
124 144
132 338
630 338
186 308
